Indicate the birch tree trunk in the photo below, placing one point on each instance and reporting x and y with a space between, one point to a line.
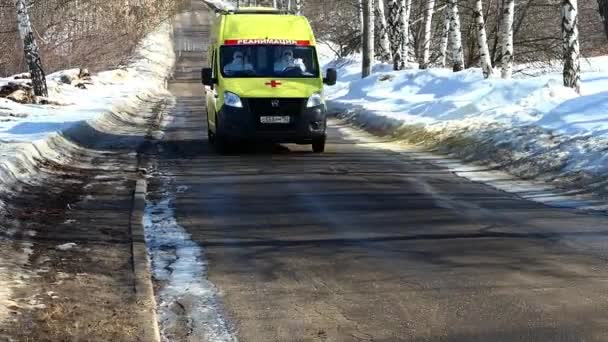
298 7
603 4
455 41
406 10
572 63
443 46
361 19
368 37
482 40
426 44
30 49
506 39
394 31
385 44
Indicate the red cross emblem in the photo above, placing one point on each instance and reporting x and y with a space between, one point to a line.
273 84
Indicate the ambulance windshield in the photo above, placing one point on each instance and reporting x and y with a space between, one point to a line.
280 61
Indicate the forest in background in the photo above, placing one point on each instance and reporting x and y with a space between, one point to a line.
93 34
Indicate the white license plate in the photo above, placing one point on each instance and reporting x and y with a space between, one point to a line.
275 119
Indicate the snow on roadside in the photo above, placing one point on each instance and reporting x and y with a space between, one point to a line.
29 133
187 300
109 90
531 127
536 191
66 246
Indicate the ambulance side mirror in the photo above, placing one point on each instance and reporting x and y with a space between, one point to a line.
207 77
332 77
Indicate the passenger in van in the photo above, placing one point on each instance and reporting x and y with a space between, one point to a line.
238 64
288 61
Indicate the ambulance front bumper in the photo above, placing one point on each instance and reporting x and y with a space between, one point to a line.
289 122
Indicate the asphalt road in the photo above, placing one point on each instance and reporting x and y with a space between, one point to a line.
368 245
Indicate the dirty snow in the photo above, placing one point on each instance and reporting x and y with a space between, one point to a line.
185 296
32 133
29 133
531 127
66 246
24 123
536 191
14 256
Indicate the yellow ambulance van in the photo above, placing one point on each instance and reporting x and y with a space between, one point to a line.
264 82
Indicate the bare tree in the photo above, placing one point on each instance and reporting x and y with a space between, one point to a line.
535 37
572 64
455 41
604 13
361 19
384 43
92 34
368 37
399 32
445 33
506 39
406 5
482 40
394 30
426 43
30 49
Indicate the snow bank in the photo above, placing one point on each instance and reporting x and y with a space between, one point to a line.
179 265
110 90
31 132
115 114
532 127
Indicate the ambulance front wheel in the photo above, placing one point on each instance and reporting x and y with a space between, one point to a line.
218 139
318 146
210 137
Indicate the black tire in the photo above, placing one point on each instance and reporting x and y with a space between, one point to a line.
222 146
318 146
219 142
210 137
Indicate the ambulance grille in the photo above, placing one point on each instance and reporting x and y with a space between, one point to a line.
286 106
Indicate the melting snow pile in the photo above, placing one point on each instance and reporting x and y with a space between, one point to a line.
30 134
532 127
107 91
186 299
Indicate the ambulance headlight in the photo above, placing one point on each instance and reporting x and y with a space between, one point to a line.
232 100
315 100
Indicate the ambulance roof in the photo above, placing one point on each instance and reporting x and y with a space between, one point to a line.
244 25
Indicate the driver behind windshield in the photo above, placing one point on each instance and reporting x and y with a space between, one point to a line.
238 64
288 61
